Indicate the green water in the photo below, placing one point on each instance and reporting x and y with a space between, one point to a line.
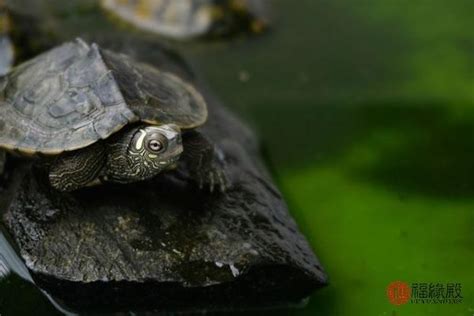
366 112
366 109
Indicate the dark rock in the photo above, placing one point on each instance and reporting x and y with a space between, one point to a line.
164 244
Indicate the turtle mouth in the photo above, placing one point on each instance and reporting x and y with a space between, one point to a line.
172 166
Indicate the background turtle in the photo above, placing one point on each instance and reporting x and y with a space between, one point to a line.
6 46
191 18
102 117
6 55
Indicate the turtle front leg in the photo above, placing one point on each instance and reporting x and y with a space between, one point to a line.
205 162
77 169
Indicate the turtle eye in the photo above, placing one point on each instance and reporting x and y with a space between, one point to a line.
155 145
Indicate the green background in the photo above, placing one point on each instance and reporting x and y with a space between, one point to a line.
366 113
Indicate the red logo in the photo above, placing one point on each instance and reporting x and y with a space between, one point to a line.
398 293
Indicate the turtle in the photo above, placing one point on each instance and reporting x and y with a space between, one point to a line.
94 116
6 46
184 19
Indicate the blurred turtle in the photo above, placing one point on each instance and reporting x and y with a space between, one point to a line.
6 47
96 116
6 56
184 19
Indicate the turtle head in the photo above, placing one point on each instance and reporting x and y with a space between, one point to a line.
155 148
144 152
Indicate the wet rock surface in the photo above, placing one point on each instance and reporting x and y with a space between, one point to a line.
164 244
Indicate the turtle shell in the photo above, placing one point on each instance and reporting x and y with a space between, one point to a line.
76 94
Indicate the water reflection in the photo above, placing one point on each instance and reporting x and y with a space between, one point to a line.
4 271
11 264
6 54
9 260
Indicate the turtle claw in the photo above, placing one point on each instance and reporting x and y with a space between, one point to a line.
223 182
213 178
211 182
